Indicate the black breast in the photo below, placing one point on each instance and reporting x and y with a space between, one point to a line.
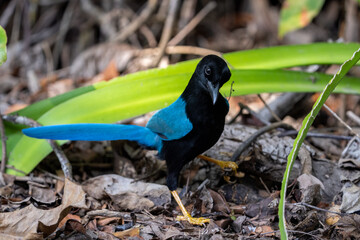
208 124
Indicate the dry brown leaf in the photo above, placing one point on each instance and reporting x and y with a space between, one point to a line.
110 72
125 193
220 204
26 222
68 217
59 87
92 225
265 230
15 107
43 195
74 225
133 232
350 200
106 221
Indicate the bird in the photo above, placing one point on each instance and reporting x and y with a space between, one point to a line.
180 132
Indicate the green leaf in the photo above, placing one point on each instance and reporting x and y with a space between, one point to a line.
296 14
3 40
309 119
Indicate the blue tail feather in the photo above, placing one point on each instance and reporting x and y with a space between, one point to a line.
97 132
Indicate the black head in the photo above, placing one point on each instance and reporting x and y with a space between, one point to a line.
212 72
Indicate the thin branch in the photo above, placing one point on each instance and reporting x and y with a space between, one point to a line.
64 27
191 50
7 13
341 121
192 24
166 34
257 134
15 169
64 162
320 209
92 10
36 179
273 114
353 117
316 135
138 22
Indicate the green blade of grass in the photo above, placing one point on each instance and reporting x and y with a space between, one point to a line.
3 40
116 102
309 119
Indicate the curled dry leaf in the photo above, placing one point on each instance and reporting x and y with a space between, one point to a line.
133 232
220 204
350 200
125 193
27 222
43 195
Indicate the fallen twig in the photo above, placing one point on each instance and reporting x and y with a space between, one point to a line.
257 134
316 135
341 121
64 162
109 213
36 179
320 209
353 117
273 114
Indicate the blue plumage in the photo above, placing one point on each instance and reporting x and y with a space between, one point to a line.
168 124
97 132
172 121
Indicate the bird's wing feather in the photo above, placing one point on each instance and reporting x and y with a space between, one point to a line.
172 121
96 132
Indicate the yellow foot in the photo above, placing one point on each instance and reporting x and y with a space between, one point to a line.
223 164
195 221
186 216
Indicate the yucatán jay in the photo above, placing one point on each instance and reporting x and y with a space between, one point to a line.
179 132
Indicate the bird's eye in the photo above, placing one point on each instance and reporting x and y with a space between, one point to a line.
207 71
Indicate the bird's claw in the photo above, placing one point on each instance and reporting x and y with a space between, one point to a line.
222 164
194 221
228 165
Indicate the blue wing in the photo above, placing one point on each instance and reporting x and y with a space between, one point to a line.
97 132
172 121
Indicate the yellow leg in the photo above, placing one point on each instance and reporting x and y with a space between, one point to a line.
223 164
186 216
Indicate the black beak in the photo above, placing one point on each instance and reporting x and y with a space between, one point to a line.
213 90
